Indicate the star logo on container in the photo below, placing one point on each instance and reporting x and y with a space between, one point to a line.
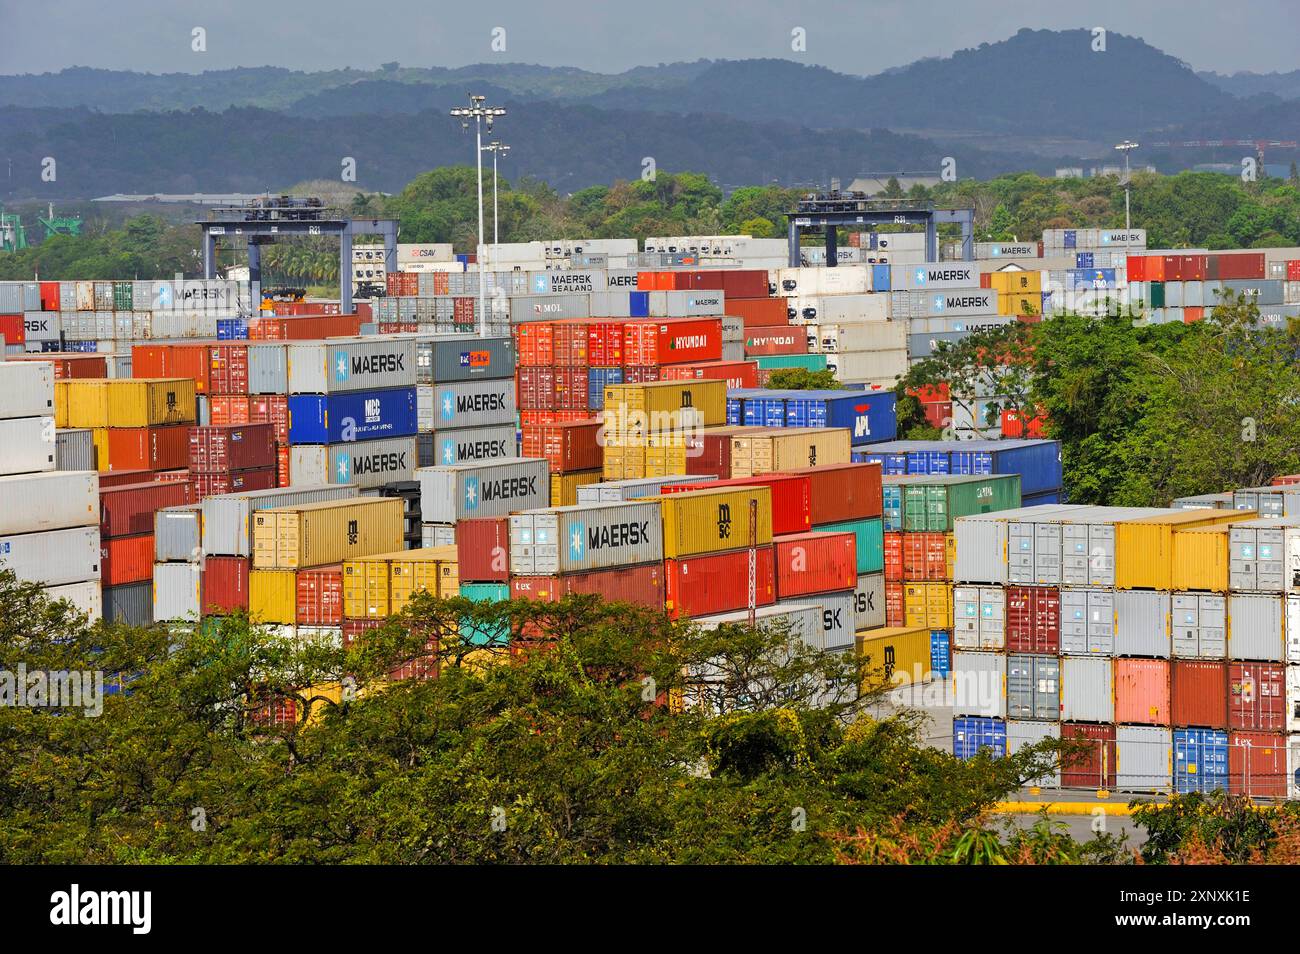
575 541
938 303
449 451
163 292
448 407
341 366
920 276
539 284
344 468
471 493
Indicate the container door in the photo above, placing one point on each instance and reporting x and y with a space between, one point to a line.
1269 574
993 617
1241 558
1214 627
1021 687
1074 555
1101 555
966 617
1186 625
1020 553
1047 687
1047 555
1074 621
1101 623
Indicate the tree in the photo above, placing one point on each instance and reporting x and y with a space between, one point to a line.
801 379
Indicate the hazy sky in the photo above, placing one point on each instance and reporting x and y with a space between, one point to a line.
854 37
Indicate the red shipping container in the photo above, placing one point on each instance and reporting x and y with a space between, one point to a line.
639 374
49 296
925 556
1173 268
129 508
149 448
737 374
894 607
1293 270
939 413
536 344
320 596
744 282
70 365
231 447
808 563
656 341
571 392
1199 694
1142 691
791 497
605 344
1033 619
270 409
229 369
126 559
1194 268
121 478
1286 480
353 628
1257 764
1257 696
844 492
233 482
1136 268
225 584
709 451
303 327
1241 265
759 312
174 361
894 557
767 341
718 582
1094 767
1154 268
642 585
1193 314
536 388
12 329
282 476
570 342
568 447
168 476
228 409
483 550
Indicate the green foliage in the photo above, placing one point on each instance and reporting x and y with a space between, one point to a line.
801 379
1228 826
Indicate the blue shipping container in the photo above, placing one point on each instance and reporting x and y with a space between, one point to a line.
893 507
352 416
940 653
597 379
1038 462
1083 260
1200 760
638 304
1046 497
972 733
869 416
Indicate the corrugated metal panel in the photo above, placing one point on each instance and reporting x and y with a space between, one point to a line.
707 521
74 449
29 445
979 683
351 364
176 589
487 489
1021 734
178 534
1144 758
1198 625
869 601
227 518
362 463
54 556
26 389
1087 689
329 532
630 489
982 541
1033 687
87 597
979 617
1142 691
1087 622
1142 621
131 604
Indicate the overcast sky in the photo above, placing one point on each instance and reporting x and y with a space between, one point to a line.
855 37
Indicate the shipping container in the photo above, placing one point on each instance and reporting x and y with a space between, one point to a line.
979 617
1198 625
315 534
791 497
842 492
74 449
808 563
227 519
1095 765
632 488
129 509
1088 622
1033 687
1144 557
982 541
1257 764
352 416
1256 625
319 596
32 503
970 736
869 604
1087 689
1142 691
979 683
713 583
1142 623
29 444
134 402
86 597
1257 696
176 591
707 521
474 403
486 489
483 549
788 449
178 534
351 364
1257 556
895 657
362 463
1033 615
130 604
924 503
927 604
53 557
26 389
1022 734
1199 693
586 537
1143 759
642 585
126 559
1200 760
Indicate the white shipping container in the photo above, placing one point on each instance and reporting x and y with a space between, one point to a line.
585 537
176 591
979 617
979 684
28 444
1142 623
227 518
873 367
1255 627
87 597
634 487
53 556
351 364
1021 734
26 389
1087 689
982 541
869 602
361 463
486 489
1144 758
31 503
868 337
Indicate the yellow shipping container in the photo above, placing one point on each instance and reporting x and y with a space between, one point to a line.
380 584
87 402
1144 547
145 402
99 437
273 596
896 656
61 402
327 532
788 448
665 400
928 604
950 553
1201 559
707 521
564 487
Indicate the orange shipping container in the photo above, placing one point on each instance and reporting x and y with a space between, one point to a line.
229 409
126 559
174 361
1142 691
149 448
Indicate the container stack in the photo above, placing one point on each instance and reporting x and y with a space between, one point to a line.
650 429
178 562
1185 287
466 399
868 416
229 458
139 425
127 526
378 585
919 513
49 519
1038 462
1158 635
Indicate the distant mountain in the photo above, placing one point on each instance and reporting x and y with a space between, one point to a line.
1281 85
250 150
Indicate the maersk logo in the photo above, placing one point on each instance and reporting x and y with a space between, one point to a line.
509 488
577 540
340 366
448 406
449 452
162 293
344 468
471 493
539 284
920 276
938 303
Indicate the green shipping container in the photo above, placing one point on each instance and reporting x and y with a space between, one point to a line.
870 541
933 503
485 593
1156 292
123 296
809 362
